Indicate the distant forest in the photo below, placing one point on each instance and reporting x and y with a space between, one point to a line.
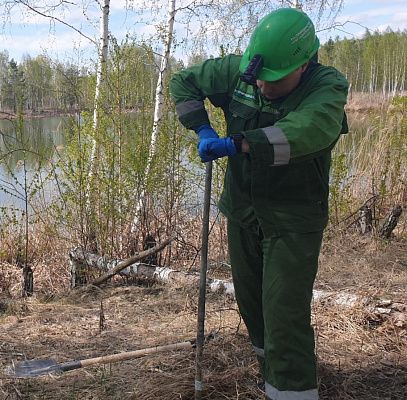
39 84
375 63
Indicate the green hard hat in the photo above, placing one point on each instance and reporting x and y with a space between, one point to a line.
285 39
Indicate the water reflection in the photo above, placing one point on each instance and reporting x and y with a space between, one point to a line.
38 137
26 153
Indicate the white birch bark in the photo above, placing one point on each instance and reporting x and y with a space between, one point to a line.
403 73
158 110
395 82
82 260
386 75
102 57
357 75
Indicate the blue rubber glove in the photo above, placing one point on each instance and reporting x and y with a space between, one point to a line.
211 149
206 132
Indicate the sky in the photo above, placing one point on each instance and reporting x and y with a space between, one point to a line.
25 33
357 15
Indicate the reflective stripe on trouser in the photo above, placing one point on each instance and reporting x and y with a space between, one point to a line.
273 279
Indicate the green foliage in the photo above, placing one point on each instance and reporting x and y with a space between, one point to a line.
73 171
100 204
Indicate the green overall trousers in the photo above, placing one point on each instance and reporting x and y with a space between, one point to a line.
273 279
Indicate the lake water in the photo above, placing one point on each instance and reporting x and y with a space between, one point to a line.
43 135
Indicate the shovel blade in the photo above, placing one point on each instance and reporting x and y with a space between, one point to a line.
33 368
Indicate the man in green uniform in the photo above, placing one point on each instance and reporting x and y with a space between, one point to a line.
284 113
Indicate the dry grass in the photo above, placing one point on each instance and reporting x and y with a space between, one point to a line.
361 102
361 355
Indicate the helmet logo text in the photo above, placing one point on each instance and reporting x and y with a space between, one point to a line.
303 33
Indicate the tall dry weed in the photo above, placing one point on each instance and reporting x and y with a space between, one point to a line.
374 154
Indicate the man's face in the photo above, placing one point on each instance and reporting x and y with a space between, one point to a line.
282 87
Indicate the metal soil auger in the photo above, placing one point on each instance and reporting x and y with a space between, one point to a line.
202 282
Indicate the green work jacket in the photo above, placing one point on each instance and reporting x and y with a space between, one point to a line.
282 186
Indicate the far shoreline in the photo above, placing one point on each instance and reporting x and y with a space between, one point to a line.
7 115
357 102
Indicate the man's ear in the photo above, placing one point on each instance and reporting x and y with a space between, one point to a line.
304 67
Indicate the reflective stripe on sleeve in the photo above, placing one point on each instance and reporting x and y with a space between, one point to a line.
280 143
259 352
189 106
275 394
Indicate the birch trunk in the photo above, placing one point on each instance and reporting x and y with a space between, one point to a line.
158 109
83 261
102 51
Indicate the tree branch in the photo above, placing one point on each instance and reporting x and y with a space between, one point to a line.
129 261
56 19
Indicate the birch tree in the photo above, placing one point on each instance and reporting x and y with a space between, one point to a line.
102 58
158 109
103 49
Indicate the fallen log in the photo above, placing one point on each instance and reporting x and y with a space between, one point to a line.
385 309
81 260
80 257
